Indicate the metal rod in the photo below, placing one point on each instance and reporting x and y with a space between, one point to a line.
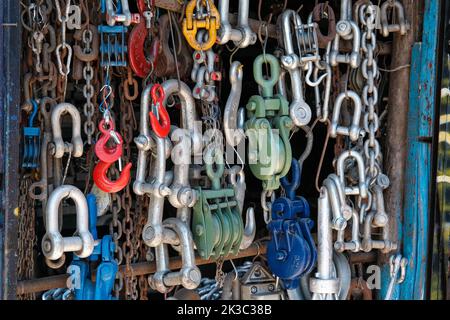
138 269
397 122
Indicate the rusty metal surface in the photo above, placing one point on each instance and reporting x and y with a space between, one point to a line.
138 269
10 101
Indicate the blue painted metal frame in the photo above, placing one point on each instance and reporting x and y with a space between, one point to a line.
415 229
10 62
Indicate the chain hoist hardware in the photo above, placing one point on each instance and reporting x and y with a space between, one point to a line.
209 20
141 64
402 26
242 35
31 144
268 127
346 29
216 223
53 243
59 147
160 123
291 252
113 48
104 153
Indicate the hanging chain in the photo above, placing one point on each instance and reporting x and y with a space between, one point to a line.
88 89
127 126
27 236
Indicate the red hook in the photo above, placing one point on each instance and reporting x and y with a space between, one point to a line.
106 185
104 153
161 129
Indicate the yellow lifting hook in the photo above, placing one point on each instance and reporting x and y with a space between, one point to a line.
209 21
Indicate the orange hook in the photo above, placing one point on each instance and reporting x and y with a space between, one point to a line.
161 129
106 185
104 153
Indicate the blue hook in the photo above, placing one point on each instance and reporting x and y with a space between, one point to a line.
292 186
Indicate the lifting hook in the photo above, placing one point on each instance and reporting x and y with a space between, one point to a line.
161 122
104 153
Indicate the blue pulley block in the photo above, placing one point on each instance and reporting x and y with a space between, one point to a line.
291 252
113 47
31 144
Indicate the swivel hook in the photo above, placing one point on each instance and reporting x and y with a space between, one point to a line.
106 185
162 128
104 153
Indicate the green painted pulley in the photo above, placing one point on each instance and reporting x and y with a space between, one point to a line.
268 127
217 226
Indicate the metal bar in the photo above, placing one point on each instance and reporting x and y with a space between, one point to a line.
10 88
397 122
419 159
363 257
138 269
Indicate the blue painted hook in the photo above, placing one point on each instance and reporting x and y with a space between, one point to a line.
292 186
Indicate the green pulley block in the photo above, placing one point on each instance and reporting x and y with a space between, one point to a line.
268 127
217 226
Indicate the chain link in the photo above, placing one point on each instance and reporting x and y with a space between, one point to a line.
27 236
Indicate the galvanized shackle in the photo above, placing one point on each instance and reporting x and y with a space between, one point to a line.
346 29
59 146
242 36
361 189
233 134
354 131
340 210
354 244
402 26
145 143
112 16
188 112
53 243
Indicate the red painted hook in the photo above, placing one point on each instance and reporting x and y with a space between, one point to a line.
161 129
106 185
104 153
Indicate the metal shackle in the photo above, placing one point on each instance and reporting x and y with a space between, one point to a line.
113 16
402 26
242 36
53 243
76 144
354 131
361 189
